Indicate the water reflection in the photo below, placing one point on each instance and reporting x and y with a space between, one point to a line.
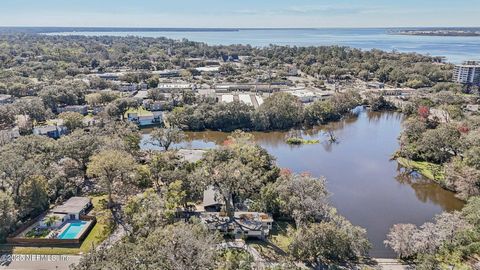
427 191
367 187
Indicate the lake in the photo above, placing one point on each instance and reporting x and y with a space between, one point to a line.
367 186
455 49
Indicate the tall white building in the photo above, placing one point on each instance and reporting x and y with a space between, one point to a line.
467 73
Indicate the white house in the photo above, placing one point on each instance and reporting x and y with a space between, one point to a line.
73 207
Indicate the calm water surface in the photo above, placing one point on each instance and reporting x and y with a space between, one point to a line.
455 49
367 187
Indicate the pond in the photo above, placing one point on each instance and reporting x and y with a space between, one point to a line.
366 186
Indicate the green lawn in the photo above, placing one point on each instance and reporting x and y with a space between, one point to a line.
140 110
99 233
277 246
431 171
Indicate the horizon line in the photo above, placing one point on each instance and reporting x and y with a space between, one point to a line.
233 28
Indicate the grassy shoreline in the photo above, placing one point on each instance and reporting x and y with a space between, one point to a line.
429 170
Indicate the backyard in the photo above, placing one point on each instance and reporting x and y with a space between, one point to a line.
99 232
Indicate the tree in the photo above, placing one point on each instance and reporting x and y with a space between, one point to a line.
440 144
176 247
7 116
166 167
164 137
114 169
51 219
15 170
153 82
234 259
34 108
175 197
346 101
237 171
228 176
280 111
462 178
8 214
401 239
72 120
320 112
120 106
380 104
34 196
303 197
145 213
408 241
326 243
424 112
79 145
471 211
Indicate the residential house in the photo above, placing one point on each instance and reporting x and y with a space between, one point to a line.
73 208
128 87
375 85
157 105
109 76
142 94
168 73
211 202
247 224
146 119
52 131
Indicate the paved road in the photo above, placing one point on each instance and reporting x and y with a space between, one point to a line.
37 262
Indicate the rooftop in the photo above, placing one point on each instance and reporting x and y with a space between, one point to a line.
72 205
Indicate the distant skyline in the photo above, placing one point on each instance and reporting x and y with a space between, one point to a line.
240 14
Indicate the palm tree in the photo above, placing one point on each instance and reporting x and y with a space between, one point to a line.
50 220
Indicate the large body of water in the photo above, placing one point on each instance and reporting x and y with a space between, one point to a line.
455 49
367 186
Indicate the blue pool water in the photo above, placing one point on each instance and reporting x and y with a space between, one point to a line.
74 227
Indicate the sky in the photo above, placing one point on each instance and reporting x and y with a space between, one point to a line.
240 13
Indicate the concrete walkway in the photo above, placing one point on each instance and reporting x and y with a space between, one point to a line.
391 264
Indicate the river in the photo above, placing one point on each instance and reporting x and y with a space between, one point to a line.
367 186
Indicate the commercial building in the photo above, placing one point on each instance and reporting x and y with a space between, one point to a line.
467 73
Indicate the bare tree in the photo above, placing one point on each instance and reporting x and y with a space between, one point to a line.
164 137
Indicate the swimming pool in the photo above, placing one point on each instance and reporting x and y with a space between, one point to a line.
73 229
